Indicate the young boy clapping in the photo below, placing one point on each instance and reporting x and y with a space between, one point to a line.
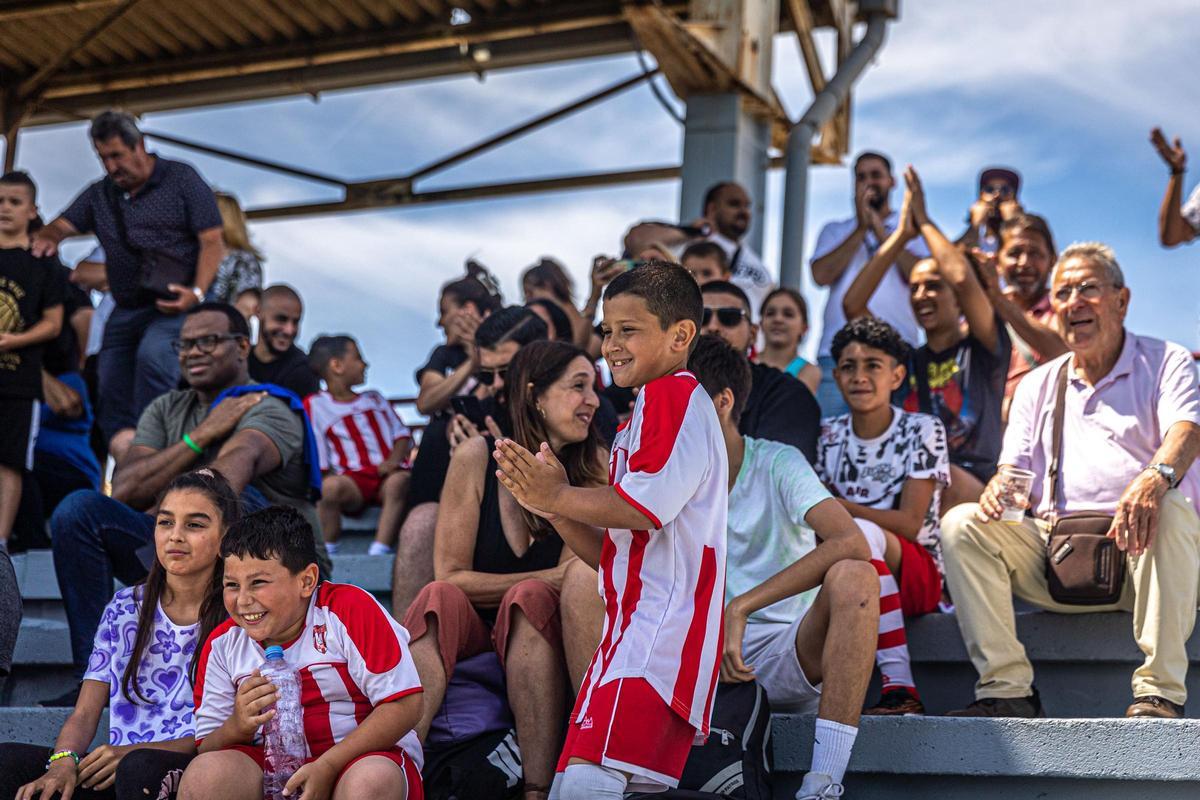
657 537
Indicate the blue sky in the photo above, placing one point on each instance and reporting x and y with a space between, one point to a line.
1065 91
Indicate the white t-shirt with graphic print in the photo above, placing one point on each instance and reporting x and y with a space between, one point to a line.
872 472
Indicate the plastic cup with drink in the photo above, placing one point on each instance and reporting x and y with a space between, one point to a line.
1013 495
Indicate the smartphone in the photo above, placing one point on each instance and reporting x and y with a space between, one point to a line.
469 406
630 263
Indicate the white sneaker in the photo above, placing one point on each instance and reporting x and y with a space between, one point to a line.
818 786
379 549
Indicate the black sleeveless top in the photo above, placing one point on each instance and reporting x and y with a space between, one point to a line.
493 554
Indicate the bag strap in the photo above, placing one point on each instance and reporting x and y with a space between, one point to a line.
114 202
1057 434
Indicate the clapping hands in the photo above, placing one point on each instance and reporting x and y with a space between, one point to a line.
536 481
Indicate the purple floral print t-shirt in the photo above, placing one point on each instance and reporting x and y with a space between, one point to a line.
162 676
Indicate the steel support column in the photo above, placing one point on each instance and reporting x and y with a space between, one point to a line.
721 142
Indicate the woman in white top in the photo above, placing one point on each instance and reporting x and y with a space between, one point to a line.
142 664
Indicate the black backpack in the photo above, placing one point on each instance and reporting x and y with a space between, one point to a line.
736 761
486 766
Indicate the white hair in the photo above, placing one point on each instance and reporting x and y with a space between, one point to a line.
1097 253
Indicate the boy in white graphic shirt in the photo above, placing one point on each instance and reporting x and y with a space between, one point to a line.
657 537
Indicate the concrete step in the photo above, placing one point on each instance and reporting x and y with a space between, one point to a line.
1083 663
41 725
1004 759
952 759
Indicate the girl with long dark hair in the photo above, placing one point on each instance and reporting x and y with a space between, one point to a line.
499 568
143 663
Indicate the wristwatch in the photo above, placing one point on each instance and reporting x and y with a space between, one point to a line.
196 290
1167 471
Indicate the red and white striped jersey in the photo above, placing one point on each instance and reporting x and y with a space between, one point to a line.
351 657
356 436
664 588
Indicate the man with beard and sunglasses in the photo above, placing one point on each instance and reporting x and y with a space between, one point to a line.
843 248
254 439
779 407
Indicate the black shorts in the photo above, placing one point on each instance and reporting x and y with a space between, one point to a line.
18 431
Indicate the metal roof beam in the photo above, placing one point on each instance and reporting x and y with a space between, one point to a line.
32 87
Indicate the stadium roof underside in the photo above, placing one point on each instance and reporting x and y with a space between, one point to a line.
65 60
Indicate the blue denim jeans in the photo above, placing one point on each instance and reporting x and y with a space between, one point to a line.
136 365
96 539
829 396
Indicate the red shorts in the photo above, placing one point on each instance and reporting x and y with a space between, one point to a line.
628 727
416 790
368 483
920 581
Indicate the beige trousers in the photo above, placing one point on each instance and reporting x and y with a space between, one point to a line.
989 562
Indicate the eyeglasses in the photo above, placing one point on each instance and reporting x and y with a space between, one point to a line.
727 317
1000 189
205 344
487 375
1088 290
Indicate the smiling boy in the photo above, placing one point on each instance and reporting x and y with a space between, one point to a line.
887 466
358 686
657 537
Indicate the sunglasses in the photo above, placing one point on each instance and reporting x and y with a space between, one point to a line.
727 317
205 344
998 189
487 376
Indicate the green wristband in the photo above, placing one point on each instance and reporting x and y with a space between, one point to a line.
187 439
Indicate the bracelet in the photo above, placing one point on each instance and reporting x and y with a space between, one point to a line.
61 754
197 449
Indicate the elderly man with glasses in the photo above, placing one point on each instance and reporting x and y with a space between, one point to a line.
253 438
1130 435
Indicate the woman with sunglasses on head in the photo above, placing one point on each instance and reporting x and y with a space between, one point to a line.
500 568
142 664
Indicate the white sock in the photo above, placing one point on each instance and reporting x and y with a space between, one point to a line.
831 748
589 782
331 548
379 549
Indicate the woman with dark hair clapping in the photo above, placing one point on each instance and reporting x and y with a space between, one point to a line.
499 568
142 665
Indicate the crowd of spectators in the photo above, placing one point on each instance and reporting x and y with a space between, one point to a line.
865 488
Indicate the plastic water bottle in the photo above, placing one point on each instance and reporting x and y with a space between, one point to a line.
284 746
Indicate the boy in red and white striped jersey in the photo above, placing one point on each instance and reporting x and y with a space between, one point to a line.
359 688
657 537
363 445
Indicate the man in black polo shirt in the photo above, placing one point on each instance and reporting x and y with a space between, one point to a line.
147 211
276 358
779 408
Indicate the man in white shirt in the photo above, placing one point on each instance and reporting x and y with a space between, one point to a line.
727 210
799 617
843 248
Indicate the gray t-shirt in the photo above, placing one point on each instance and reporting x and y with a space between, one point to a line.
170 416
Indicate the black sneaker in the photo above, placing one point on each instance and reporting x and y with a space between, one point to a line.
1024 707
65 700
899 702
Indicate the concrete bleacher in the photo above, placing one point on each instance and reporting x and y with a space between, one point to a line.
1083 666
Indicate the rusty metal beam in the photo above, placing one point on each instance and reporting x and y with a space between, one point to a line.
395 192
530 125
24 9
31 87
803 22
